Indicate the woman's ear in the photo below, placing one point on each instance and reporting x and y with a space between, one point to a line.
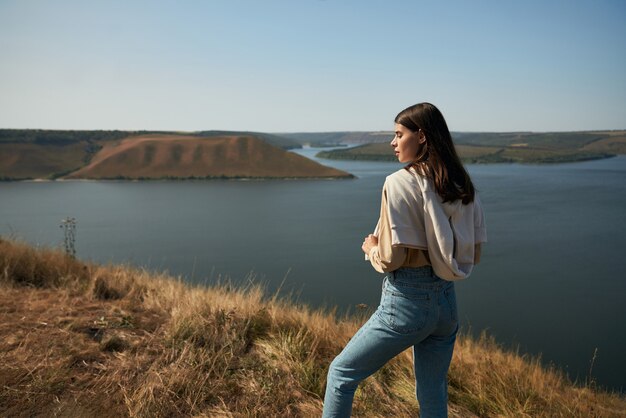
421 138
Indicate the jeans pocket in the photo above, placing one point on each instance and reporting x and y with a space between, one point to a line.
404 312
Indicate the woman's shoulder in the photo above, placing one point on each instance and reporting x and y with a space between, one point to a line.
403 175
403 181
407 177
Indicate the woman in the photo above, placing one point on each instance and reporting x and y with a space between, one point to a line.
428 234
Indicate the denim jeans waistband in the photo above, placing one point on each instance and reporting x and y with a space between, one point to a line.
417 276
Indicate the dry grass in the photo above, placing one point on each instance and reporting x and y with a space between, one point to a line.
615 143
28 160
85 340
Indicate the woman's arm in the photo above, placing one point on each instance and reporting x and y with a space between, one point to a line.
382 255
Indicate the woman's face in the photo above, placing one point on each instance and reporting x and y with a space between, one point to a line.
406 143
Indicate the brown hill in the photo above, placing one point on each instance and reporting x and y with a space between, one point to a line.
36 161
183 156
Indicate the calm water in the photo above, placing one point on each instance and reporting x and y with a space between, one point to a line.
551 281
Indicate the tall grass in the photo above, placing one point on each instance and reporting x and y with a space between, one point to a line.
118 341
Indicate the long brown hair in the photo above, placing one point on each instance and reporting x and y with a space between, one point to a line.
437 158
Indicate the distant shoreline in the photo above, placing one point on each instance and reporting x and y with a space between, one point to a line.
47 155
508 155
472 161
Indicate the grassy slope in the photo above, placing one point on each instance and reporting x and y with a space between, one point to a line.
614 142
33 161
86 340
49 154
280 141
183 156
510 147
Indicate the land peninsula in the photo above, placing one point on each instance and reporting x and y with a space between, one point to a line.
80 339
153 155
149 155
484 148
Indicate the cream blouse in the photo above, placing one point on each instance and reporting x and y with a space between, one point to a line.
385 257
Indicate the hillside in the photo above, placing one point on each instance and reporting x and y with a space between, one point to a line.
86 340
604 141
524 147
34 154
183 156
36 161
272 139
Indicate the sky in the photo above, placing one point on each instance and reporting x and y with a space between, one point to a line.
311 65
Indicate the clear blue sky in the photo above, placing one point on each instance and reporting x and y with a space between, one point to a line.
311 65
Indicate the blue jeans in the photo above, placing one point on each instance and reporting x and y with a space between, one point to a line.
416 309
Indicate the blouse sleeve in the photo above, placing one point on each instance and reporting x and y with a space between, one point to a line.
480 230
384 257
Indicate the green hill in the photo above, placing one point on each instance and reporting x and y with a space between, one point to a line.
521 147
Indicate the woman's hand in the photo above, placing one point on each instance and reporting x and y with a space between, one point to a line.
369 242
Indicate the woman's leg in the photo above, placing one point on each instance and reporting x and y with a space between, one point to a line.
402 319
431 359
370 348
